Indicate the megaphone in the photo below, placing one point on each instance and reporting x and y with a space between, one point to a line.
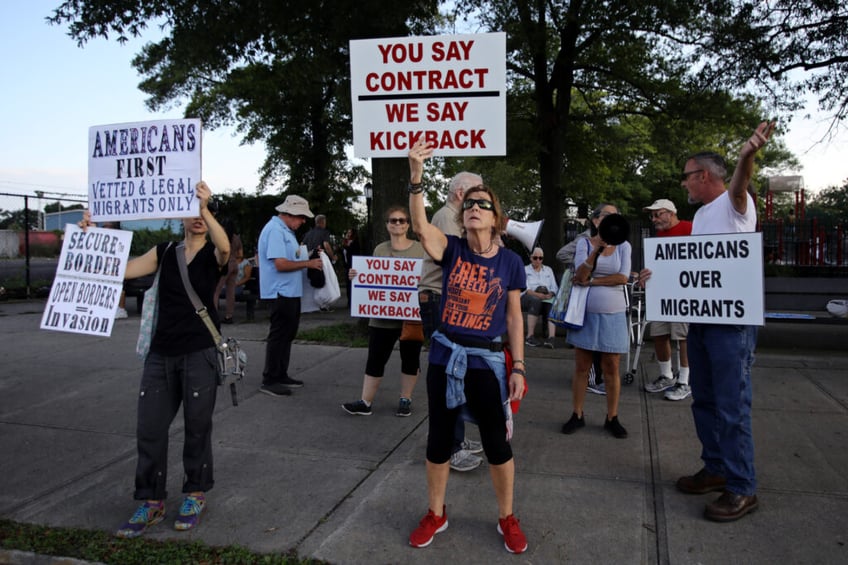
525 232
614 229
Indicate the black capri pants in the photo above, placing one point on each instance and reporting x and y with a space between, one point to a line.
483 398
381 342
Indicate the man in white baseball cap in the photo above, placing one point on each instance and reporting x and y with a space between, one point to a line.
662 204
280 280
666 223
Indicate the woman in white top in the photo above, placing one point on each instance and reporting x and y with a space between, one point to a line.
536 300
605 268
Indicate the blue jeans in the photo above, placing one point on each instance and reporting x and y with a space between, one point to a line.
720 360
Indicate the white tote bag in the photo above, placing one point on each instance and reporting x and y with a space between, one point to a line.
576 310
330 292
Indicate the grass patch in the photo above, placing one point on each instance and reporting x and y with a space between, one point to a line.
344 334
103 547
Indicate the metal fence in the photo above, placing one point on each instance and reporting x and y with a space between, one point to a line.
808 243
817 247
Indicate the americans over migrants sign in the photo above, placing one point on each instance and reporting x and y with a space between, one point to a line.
449 90
708 279
144 170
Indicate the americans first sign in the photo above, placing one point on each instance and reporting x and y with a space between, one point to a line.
449 90
707 279
144 170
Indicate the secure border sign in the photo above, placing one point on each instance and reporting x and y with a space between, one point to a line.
707 279
89 280
449 90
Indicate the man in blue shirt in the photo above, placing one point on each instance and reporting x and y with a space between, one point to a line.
280 262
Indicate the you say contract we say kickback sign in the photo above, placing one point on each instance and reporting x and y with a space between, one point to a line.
385 287
449 90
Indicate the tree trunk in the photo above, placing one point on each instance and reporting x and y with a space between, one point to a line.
390 177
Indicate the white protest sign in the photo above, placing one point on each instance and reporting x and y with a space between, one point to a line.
448 89
385 287
708 279
144 170
89 280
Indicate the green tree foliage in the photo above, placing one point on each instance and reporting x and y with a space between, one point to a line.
18 219
57 206
790 47
831 204
145 239
606 97
278 69
609 100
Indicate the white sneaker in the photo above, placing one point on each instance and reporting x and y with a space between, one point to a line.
471 446
121 313
463 460
678 392
662 383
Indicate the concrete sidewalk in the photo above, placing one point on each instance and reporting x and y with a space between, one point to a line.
299 474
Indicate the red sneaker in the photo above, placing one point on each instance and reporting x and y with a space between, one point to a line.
514 540
428 527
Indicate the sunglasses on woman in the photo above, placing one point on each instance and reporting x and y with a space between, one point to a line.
396 221
469 203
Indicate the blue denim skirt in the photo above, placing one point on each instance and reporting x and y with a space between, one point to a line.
606 333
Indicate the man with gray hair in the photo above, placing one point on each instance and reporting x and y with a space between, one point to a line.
319 237
721 355
430 304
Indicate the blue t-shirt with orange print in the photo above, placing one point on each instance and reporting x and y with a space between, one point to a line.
474 291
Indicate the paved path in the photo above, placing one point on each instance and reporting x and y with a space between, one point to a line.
299 474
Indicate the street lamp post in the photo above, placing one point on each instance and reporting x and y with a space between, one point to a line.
368 190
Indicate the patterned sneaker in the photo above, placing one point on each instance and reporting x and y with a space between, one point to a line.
662 383
532 342
193 505
428 527
404 408
464 461
549 343
148 514
471 446
514 539
678 392
358 408
599 388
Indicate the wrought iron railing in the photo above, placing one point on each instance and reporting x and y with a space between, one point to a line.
815 247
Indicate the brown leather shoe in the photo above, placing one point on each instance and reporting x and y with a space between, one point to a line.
730 506
701 483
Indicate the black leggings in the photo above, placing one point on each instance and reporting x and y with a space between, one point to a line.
483 397
381 342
